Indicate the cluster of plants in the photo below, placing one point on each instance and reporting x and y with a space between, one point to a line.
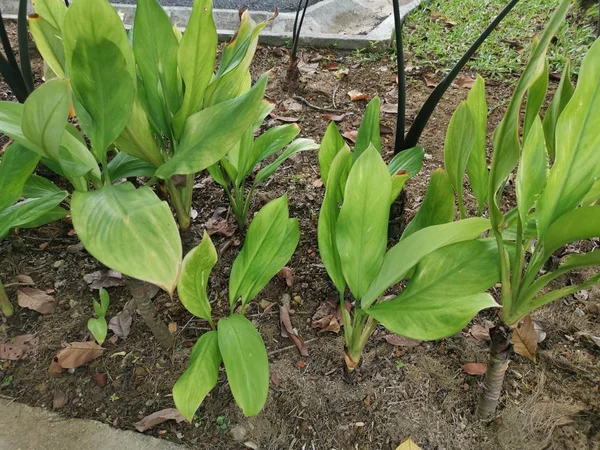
149 105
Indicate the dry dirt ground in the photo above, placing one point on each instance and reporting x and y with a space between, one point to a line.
417 391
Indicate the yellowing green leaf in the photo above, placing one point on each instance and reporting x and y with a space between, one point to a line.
408 444
563 94
331 144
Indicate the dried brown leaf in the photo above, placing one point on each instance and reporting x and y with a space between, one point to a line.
464 81
218 224
474 368
121 323
383 130
286 274
104 279
74 355
351 135
429 82
332 65
26 279
159 417
286 119
288 331
437 17
400 341
525 339
481 332
36 300
19 347
334 117
357 95
60 399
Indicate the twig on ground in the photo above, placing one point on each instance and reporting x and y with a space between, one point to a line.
318 108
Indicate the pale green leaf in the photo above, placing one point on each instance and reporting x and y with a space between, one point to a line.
49 43
299 145
36 187
271 141
563 94
409 160
17 164
477 167
593 195
331 144
52 11
125 166
99 328
581 223
369 132
398 182
23 213
535 98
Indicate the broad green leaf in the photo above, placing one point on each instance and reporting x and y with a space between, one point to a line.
299 145
99 328
137 140
125 166
196 60
532 171
217 174
270 142
430 319
581 223
52 11
460 139
45 114
506 136
263 240
398 182
593 195
17 165
101 70
75 158
331 144
200 377
563 94
369 132
210 134
361 231
338 174
535 98
195 271
410 160
43 218
155 48
49 43
577 141
11 114
36 187
130 230
437 207
246 363
477 167
22 213
408 252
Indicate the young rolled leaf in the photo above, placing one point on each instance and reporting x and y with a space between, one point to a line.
299 145
200 377
331 144
563 94
246 363
130 230
437 207
269 143
361 230
99 328
195 271
17 164
577 141
338 174
369 132
477 167
101 70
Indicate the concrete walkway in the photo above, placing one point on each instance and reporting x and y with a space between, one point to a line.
25 428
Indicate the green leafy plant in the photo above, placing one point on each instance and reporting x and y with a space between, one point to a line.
449 268
233 171
18 76
270 242
556 187
97 325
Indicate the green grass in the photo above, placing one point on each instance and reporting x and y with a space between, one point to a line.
506 50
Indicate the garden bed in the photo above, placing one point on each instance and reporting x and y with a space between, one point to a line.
398 391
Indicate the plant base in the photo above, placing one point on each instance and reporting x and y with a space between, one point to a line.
140 293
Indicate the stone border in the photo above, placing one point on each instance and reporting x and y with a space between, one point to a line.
319 31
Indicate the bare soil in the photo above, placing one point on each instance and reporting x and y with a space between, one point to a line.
398 392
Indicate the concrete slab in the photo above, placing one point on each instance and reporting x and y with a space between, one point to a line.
26 428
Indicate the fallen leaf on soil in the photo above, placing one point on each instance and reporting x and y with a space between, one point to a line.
104 279
74 355
99 379
408 444
287 330
159 417
351 135
26 279
334 117
400 341
284 118
59 400
389 108
275 381
437 17
474 368
325 315
172 327
121 323
481 332
43 245
383 130
318 183
339 74
36 300
308 67
19 347
429 82
524 339
464 81
286 274
290 105
300 364
331 66
218 224
357 95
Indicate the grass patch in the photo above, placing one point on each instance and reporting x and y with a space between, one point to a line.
440 31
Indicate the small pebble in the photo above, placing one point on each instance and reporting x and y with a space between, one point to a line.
59 263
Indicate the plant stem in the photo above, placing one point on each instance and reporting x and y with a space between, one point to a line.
361 332
139 292
183 217
461 205
517 272
401 117
6 306
500 350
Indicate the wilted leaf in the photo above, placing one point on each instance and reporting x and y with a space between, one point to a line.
25 279
104 279
286 274
218 224
121 323
408 444
159 417
464 81
59 400
351 135
286 119
287 330
74 355
308 67
325 314
525 339
36 300
19 347
481 332
357 95
429 82
474 368
400 341
334 117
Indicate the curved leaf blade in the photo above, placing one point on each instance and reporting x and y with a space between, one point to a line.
17 165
